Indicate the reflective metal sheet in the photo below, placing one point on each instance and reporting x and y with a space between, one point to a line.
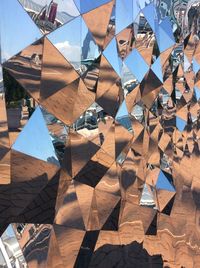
110 157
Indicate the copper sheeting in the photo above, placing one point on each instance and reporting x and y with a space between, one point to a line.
109 162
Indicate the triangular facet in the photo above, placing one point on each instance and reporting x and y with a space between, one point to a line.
34 140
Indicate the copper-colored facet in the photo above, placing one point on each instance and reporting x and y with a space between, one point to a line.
145 45
107 77
82 151
56 71
69 213
125 41
69 103
63 234
150 87
23 167
110 100
26 66
4 144
96 25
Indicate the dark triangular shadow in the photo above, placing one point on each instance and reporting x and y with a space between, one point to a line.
86 249
152 230
112 222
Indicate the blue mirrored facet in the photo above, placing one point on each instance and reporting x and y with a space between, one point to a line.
123 116
157 69
197 92
180 123
124 14
111 55
196 66
150 15
163 183
17 29
137 64
34 140
87 5
75 42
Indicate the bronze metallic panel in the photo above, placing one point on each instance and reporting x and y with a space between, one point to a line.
105 171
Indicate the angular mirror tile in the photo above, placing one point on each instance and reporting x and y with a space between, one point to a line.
26 66
96 25
89 5
35 140
56 71
163 183
124 14
123 117
49 15
110 53
15 36
76 48
135 60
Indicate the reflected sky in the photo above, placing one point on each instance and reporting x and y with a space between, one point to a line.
34 140
150 15
18 33
9 231
157 69
137 64
180 123
164 35
87 5
162 29
111 55
122 110
74 41
197 93
196 66
163 183
123 116
124 14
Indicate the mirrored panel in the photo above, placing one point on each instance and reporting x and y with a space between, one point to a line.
49 15
34 140
15 36
79 49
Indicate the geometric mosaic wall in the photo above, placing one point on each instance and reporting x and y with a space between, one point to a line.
108 162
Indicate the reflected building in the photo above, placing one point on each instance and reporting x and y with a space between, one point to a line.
11 255
32 239
47 17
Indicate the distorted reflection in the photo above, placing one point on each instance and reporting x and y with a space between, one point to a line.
1 80
57 131
35 140
123 117
13 39
129 81
80 48
147 198
10 252
138 112
93 123
89 4
25 67
49 15
99 130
